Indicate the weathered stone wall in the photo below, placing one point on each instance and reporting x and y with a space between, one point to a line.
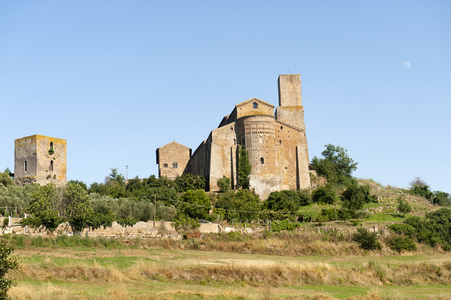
42 164
139 230
172 160
254 107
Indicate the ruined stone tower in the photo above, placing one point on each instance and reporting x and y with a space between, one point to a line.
276 143
40 159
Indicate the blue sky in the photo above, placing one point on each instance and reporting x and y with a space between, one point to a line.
118 79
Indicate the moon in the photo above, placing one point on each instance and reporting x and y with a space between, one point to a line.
406 64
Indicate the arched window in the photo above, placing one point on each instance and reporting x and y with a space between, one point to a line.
255 105
25 166
262 160
51 144
51 166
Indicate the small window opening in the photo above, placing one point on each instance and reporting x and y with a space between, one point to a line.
175 165
51 144
165 165
262 160
234 141
280 142
255 105
51 166
25 166
281 127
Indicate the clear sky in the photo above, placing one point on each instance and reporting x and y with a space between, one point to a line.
118 79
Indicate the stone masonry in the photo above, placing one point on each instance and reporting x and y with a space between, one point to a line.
276 143
40 159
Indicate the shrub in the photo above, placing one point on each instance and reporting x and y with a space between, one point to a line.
6 263
224 184
366 240
403 229
283 225
403 206
324 195
399 243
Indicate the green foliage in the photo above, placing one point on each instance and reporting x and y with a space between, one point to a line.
188 182
399 243
5 178
419 187
244 167
185 223
441 198
6 263
284 225
324 195
78 209
434 229
287 200
336 163
80 183
127 221
195 204
224 184
366 240
403 229
239 205
45 207
51 151
403 206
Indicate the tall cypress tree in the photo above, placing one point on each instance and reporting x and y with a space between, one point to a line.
244 167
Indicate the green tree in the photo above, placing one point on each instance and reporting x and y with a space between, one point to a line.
244 167
224 184
239 205
6 179
188 182
7 262
419 187
441 198
80 183
335 164
366 240
45 207
78 209
286 201
195 204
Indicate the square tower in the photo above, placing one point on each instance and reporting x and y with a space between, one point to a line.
40 159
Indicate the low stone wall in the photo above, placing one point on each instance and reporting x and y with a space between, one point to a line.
139 230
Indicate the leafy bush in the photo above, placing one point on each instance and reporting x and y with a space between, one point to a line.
366 240
6 263
195 204
224 184
403 206
283 225
403 229
240 205
399 243
185 223
287 200
324 195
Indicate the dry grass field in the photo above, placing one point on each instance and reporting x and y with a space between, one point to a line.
195 270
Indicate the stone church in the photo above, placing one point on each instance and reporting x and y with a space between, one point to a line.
276 143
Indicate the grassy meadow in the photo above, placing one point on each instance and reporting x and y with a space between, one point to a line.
232 266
